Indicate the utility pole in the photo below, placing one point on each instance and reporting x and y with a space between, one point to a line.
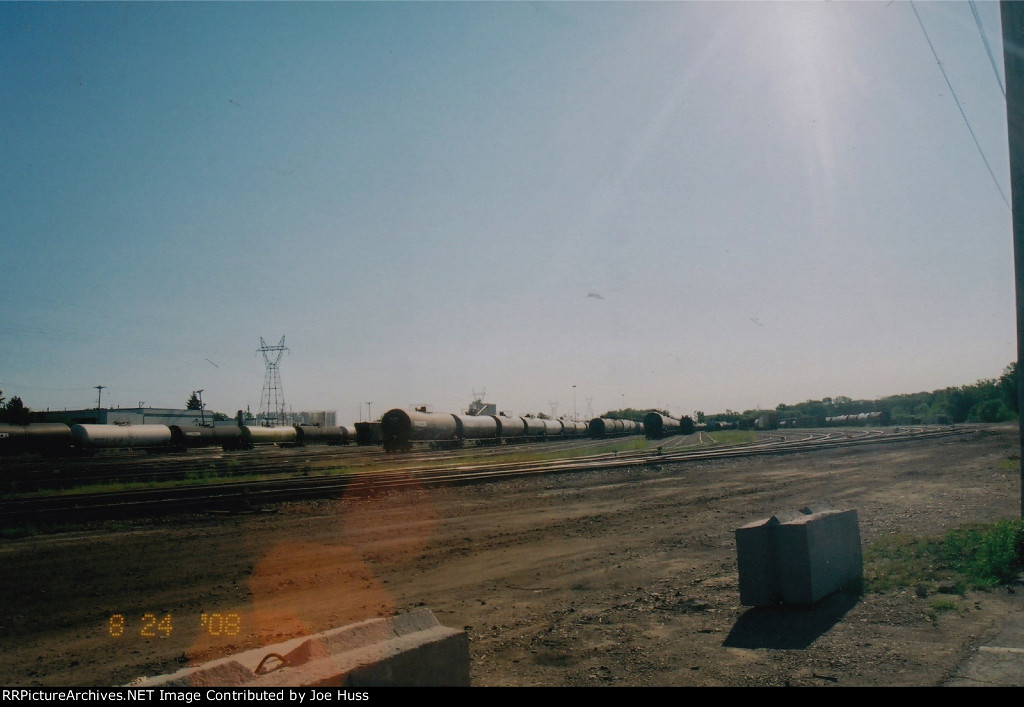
99 395
1012 15
202 415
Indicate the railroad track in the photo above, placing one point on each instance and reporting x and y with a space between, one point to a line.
423 470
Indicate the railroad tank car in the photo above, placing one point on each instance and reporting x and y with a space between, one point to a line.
399 429
230 437
657 425
511 429
314 434
534 428
46 438
477 427
281 436
552 428
573 429
94 437
12 439
605 427
598 427
193 436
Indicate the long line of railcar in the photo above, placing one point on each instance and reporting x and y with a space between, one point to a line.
397 431
55 439
400 429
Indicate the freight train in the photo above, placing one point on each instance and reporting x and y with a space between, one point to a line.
55 439
442 430
864 418
396 431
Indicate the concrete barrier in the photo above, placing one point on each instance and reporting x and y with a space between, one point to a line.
410 650
799 557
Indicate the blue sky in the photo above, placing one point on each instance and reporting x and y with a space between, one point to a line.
774 201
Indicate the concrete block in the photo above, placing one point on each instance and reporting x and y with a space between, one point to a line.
798 557
410 650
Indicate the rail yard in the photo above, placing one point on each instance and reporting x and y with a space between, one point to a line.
51 491
594 566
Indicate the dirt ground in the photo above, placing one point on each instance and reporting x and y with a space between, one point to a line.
600 578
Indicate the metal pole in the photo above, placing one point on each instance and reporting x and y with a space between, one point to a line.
1012 14
202 415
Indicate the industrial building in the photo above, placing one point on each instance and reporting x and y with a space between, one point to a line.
171 416
128 416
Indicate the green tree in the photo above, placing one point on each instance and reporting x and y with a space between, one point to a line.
1007 386
193 402
15 412
993 410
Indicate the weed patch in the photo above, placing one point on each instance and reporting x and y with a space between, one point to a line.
978 557
988 556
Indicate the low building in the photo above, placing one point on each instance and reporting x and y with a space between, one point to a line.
128 416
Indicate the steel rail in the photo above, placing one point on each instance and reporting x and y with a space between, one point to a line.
249 494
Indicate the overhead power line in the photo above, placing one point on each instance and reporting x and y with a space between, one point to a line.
988 49
959 107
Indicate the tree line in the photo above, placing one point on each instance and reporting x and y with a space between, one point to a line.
986 400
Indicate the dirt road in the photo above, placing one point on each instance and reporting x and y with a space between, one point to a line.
598 578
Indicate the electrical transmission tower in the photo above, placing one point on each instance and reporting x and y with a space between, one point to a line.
272 398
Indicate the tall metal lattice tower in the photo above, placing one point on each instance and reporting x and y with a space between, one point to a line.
272 397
